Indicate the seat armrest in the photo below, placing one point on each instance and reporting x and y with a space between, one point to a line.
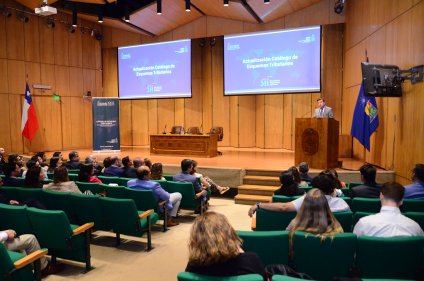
30 258
145 214
83 228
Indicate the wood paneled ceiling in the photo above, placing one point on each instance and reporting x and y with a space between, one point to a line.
144 18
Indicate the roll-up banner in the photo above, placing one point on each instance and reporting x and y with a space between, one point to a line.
106 124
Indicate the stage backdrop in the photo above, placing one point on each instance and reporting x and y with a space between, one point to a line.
106 124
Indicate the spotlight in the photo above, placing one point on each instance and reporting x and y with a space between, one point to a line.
159 7
74 17
6 12
339 6
187 5
50 23
127 18
22 17
98 36
127 14
100 18
213 41
226 3
266 1
202 42
71 29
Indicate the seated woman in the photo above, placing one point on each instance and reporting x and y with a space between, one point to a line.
288 186
157 172
61 182
54 163
207 182
86 174
338 184
34 177
315 216
296 175
214 249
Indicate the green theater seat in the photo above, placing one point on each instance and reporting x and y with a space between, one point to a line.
270 220
188 276
190 200
370 205
15 217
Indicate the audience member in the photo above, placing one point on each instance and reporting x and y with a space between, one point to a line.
129 170
42 158
416 189
18 159
337 183
61 182
74 160
54 163
303 170
28 244
115 169
288 187
389 222
369 188
11 172
90 159
207 182
143 182
215 249
34 177
157 172
2 161
148 163
315 216
58 154
86 174
322 182
296 177
138 162
107 162
185 176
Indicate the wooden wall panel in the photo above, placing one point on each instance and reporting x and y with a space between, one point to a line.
48 77
125 122
247 126
207 86
88 122
180 112
152 118
5 140
47 39
260 121
32 71
140 121
15 41
234 122
68 80
16 76
166 116
313 15
89 82
73 128
15 118
288 128
4 85
3 38
274 121
219 26
110 73
76 51
99 84
301 104
194 29
88 51
61 45
32 39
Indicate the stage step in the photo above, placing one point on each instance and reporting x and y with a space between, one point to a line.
261 180
267 173
257 190
245 199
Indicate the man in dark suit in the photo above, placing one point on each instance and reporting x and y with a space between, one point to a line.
323 111
74 160
115 169
370 189
185 176
129 170
11 171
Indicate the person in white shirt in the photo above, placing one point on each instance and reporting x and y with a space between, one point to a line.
389 222
322 182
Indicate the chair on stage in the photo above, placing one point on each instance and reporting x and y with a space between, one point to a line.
194 131
177 130
217 131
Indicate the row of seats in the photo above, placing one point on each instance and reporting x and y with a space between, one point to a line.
322 259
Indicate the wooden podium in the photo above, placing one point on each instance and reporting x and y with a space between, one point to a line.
317 142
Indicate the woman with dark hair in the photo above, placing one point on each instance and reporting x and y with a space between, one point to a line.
58 154
157 172
61 182
331 173
315 216
215 249
107 162
207 182
34 176
54 163
288 186
86 174
296 176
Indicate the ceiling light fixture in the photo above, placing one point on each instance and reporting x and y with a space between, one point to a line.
187 5
100 18
22 17
226 3
50 23
74 17
127 14
159 7
266 1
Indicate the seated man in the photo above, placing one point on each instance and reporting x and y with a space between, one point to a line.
370 189
185 176
27 243
11 172
74 160
322 182
303 170
389 222
114 170
129 170
143 182
207 182
416 189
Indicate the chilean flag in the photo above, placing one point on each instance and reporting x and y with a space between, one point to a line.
29 124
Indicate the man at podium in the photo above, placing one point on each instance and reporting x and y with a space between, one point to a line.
323 111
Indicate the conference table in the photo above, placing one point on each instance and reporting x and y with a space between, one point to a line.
182 145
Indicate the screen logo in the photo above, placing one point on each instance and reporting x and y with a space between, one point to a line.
233 47
182 50
153 88
125 56
308 39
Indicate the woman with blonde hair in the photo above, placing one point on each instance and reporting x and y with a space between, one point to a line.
315 216
215 249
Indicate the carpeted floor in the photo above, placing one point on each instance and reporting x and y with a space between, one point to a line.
130 261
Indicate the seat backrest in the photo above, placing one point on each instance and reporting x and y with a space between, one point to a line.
283 199
6 263
116 192
412 205
57 200
95 188
398 257
144 199
123 181
270 220
418 217
271 246
177 129
353 184
188 276
187 191
107 179
26 193
323 259
15 217
52 228
73 177
370 205
73 171
88 209
193 131
217 131
345 219
358 215
11 192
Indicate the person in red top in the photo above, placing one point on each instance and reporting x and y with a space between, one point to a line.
86 174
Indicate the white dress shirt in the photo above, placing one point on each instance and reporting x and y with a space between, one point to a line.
3 236
388 223
336 204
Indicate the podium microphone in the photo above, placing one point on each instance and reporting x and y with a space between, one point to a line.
164 130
